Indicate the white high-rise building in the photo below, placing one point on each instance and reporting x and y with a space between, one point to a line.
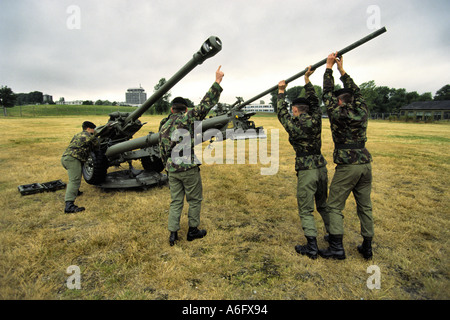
135 96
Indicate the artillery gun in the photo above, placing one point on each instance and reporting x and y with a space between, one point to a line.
117 145
123 125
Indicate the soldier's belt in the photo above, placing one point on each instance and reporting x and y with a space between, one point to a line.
350 146
304 154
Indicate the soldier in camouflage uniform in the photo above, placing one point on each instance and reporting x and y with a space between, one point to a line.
72 160
348 114
176 143
305 129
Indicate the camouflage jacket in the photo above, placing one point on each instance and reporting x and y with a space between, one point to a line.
81 145
164 120
176 134
304 131
348 122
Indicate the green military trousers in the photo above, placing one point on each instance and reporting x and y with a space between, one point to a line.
73 167
356 178
312 185
181 184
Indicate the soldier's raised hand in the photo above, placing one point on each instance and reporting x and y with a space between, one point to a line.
340 64
308 73
282 86
331 60
219 75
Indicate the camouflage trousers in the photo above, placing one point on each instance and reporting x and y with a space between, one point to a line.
312 186
355 178
181 184
73 167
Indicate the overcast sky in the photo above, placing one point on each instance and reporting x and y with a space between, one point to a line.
106 47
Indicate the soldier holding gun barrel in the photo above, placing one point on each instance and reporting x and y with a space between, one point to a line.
348 114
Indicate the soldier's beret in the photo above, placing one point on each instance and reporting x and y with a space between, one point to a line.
300 101
179 100
337 93
88 124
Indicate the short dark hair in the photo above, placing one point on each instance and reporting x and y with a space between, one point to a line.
301 107
346 98
345 95
179 107
88 124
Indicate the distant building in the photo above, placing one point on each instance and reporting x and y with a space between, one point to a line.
258 108
427 110
135 96
47 99
74 103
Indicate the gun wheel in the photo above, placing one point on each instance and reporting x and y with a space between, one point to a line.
95 168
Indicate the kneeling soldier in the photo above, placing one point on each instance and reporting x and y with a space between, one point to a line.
72 160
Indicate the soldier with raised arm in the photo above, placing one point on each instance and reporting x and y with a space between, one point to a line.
348 116
305 128
176 143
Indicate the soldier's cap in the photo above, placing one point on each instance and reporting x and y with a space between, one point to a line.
179 100
337 93
300 101
88 124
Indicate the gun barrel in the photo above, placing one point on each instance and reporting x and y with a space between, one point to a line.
138 143
209 48
318 64
153 138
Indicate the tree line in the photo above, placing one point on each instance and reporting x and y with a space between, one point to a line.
35 97
9 99
379 99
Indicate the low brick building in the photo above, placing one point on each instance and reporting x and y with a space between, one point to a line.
427 110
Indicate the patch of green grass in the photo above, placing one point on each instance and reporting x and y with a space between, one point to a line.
64 110
430 139
28 141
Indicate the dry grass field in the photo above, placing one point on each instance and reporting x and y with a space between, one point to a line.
120 243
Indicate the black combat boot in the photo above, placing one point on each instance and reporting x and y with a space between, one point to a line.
173 237
310 249
336 248
72 208
195 233
366 248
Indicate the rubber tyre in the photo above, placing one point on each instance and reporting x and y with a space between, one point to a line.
95 168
